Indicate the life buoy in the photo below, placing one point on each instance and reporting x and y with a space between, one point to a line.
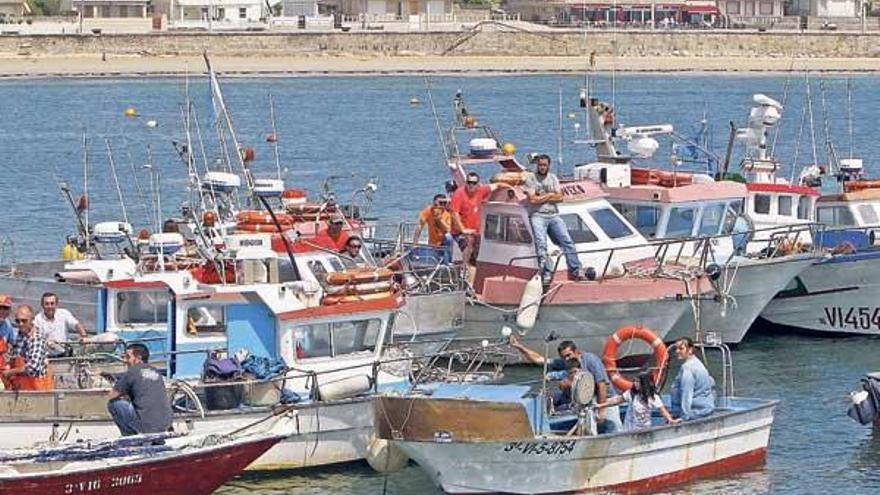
647 176
860 185
262 217
264 227
609 356
365 288
509 178
359 276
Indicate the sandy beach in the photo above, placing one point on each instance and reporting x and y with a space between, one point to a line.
339 65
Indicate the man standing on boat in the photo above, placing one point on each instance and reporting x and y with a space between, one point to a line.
693 390
607 419
543 192
437 218
466 207
333 237
30 362
56 324
147 409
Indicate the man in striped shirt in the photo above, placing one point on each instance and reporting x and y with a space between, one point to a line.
30 363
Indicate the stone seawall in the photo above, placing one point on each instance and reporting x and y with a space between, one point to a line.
482 43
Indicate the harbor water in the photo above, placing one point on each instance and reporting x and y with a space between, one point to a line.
356 128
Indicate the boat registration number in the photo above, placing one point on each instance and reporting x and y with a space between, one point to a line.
864 318
100 484
541 448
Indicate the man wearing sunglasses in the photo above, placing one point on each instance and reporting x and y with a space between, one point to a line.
543 192
466 207
30 363
438 219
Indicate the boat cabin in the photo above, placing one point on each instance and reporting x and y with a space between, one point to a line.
857 208
507 246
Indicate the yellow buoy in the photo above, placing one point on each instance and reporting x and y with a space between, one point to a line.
508 149
130 112
67 252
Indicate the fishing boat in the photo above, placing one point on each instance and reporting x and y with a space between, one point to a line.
626 284
706 215
144 464
837 293
503 439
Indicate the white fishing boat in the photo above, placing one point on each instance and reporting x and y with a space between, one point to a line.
502 439
707 216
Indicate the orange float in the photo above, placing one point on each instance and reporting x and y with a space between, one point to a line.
609 356
359 276
648 176
860 185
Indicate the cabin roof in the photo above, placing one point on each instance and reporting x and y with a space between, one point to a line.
864 194
680 194
782 188
572 192
384 304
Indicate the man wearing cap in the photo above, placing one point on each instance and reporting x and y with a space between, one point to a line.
333 237
7 332
438 220
56 324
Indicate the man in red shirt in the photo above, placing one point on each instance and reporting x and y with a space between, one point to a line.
333 237
466 208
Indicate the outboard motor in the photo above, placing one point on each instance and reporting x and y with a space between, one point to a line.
866 402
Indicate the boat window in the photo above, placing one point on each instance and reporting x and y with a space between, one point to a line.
805 208
711 220
142 307
202 320
577 229
312 341
835 216
681 222
644 218
318 270
355 336
762 203
869 216
286 273
610 223
733 211
784 206
507 228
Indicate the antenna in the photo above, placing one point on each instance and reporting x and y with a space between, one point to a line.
559 157
115 179
849 114
85 163
274 135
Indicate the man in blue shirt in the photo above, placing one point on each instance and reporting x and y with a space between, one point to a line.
7 332
693 390
607 419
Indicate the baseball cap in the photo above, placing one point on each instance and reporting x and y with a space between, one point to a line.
5 301
337 218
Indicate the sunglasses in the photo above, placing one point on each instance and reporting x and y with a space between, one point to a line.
22 320
471 183
355 246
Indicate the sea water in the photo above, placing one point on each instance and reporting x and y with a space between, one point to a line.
358 128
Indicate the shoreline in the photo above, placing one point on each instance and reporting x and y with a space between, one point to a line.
123 66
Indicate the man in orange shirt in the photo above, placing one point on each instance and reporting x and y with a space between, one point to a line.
439 221
466 208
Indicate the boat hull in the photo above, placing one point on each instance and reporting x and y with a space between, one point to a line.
428 321
201 473
322 434
587 324
728 441
838 295
752 285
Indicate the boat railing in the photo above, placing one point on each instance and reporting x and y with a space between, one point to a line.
821 230
712 341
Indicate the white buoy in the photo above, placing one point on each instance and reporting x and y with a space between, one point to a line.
506 332
384 457
530 303
484 343
152 123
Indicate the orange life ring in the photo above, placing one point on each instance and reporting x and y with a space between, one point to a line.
262 218
264 227
860 185
293 194
359 276
509 178
609 356
647 176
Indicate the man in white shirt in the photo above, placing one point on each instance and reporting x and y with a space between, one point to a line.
55 324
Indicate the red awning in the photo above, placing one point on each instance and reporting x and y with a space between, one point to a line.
701 9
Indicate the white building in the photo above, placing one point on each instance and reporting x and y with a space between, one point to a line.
835 8
398 8
219 14
14 8
105 9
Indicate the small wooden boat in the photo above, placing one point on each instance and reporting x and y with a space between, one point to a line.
153 464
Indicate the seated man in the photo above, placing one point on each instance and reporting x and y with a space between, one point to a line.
147 409
30 363
693 390
608 419
352 255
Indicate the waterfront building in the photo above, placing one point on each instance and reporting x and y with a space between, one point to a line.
14 8
104 9
396 9
219 14
622 13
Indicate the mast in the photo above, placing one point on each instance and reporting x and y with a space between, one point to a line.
274 136
85 163
115 179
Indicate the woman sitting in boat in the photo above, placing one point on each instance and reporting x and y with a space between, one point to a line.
641 399
693 390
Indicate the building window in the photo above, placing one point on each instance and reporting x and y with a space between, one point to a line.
766 8
732 8
242 13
